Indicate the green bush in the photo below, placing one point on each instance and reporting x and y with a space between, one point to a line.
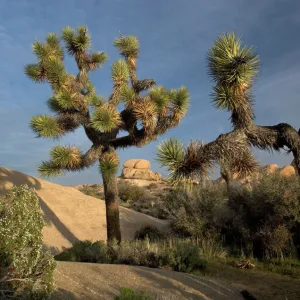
184 256
130 191
94 190
266 216
151 232
129 294
194 213
85 251
25 271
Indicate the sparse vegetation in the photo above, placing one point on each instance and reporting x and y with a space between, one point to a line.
150 232
129 294
25 271
259 221
129 191
174 254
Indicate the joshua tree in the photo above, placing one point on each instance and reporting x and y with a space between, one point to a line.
75 103
233 68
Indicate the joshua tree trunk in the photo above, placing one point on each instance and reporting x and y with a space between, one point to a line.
109 163
112 208
227 176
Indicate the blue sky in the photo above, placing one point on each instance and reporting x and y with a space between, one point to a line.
175 36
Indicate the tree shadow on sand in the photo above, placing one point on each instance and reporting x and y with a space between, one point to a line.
8 178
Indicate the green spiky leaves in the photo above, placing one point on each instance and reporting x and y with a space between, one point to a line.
180 101
66 157
35 72
109 164
96 101
106 118
120 72
224 97
128 46
128 95
185 164
45 126
49 170
160 97
76 42
97 59
230 62
55 72
170 153
145 111
62 158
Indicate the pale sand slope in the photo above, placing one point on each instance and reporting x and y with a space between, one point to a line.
70 215
94 281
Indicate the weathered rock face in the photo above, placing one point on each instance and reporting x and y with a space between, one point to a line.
137 164
287 170
139 169
272 168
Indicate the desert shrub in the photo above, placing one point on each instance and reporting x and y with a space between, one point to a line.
149 231
93 190
153 186
129 294
194 213
266 215
25 271
184 256
130 191
85 251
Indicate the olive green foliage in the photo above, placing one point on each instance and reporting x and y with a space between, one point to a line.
193 213
130 191
179 255
151 232
266 217
25 271
261 220
85 251
129 294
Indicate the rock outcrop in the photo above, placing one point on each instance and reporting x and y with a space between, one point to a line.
139 169
287 170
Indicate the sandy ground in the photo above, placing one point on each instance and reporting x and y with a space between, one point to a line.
95 281
70 215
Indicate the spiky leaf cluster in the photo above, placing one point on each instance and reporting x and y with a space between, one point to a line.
106 118
128 46
109 164
233 68
45 126
149 110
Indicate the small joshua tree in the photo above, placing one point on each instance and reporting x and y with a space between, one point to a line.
75 103
233 68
